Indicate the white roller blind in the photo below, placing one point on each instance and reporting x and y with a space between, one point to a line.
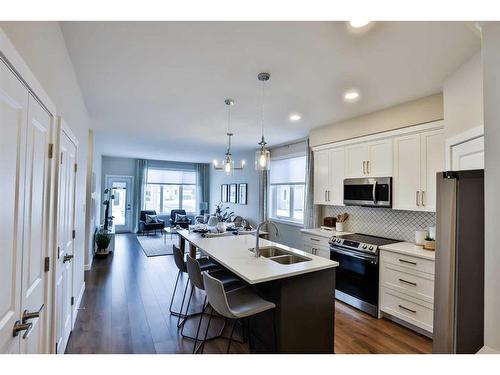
169 176
288 171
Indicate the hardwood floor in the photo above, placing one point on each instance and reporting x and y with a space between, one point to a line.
125 309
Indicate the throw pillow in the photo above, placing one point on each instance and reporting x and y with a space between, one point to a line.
151 219
180 218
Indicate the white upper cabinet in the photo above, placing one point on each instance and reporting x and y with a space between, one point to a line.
355 160
379 162
406 181
329 176
336 193
321 176
370 159
417 159
432 156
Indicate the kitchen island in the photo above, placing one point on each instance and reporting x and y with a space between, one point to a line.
301 285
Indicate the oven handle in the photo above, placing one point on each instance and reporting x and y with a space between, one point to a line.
371 259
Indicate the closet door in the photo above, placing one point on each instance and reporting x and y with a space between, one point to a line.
13 110
35 283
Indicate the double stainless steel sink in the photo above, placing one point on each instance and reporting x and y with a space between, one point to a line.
280 256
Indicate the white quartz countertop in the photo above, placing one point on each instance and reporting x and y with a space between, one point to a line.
323 233
409 248
233 253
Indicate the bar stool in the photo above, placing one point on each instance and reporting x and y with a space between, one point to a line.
205 264
228 280
235 304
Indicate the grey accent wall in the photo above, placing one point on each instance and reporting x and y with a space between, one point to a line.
383 222
248 175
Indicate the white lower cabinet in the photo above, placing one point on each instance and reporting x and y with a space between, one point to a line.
407 289
316 245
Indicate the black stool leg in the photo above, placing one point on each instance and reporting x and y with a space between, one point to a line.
173 294
179 323
206 331
199 324
231 336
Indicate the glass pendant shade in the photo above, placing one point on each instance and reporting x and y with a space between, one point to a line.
262 159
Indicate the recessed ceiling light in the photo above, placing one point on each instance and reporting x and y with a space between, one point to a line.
295 117
351 95
358 23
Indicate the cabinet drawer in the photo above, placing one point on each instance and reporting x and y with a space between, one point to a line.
316 250
407 282
315 240
415 312
408 262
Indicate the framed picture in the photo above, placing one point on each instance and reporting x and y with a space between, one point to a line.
223 193
242 193
232 193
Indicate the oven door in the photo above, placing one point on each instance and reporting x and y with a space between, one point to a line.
356 278
372 192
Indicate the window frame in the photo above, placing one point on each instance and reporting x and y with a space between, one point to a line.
181 191
273 203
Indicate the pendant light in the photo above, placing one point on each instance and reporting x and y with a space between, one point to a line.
227 164
263 156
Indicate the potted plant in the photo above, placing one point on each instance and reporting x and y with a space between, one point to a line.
102 240
223 216
430 243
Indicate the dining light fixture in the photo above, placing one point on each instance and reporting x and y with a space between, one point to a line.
227 164
263 155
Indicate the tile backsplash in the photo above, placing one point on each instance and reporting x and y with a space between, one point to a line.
383 222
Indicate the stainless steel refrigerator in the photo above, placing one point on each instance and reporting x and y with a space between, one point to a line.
459 273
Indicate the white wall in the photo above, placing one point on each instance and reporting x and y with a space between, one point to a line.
463 98
42 47
248 175
491 79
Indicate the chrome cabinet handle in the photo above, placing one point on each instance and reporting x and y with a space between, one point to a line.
423 198
407 309
368 166
315 239
364 167
32 315
408 282
67 258
408 262
19 327
328 195
417 195
325 196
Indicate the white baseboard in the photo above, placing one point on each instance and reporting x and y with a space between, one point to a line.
77 304
87 267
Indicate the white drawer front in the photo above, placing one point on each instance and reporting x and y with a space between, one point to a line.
316 250
408 262
419 286
316 240
406 308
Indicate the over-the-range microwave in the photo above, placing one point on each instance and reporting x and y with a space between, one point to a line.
368 192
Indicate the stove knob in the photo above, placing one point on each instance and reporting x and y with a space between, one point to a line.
339 240
364 246
371 248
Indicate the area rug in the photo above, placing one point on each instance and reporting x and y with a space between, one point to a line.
154 246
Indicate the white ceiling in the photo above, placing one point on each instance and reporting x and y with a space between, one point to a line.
157 89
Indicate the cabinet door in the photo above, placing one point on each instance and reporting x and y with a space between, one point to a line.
432 161
355 160
406 181
321 176
337 166
379 158
322 252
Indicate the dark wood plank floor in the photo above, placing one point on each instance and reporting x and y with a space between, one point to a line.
125 309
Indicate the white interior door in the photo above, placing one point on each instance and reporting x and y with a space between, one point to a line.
65 238
121 207
406 182
13 115
34 285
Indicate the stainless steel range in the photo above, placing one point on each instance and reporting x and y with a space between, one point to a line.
358 273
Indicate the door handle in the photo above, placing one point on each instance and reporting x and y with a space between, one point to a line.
407 282
417 195
407 309
32 315
423 198
314 239
67 258
408 262
19 327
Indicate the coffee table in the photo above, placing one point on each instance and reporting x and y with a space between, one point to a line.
168 230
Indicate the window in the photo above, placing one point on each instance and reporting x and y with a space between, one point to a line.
169 189
287 189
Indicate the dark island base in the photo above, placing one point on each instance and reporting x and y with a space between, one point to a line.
305 315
